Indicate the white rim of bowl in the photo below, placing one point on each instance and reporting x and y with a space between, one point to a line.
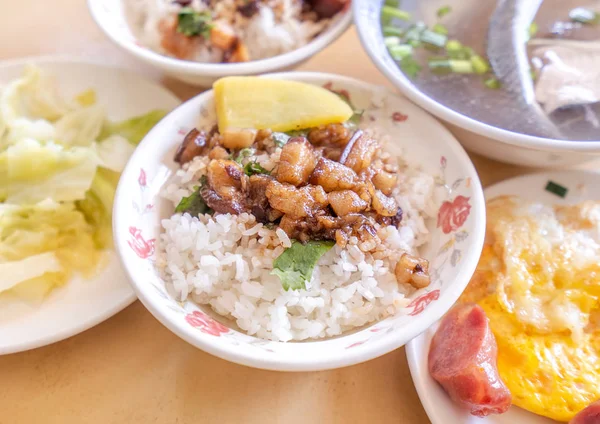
363 353
220 69
462 121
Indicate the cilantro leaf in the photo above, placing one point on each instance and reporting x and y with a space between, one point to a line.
253 168
243 154
295 265
192 23
194 204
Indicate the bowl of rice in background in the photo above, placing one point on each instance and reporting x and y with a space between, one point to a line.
353 310
134 26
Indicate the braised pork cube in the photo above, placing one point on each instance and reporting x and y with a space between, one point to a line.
384 181
333 176
332 135
237 139
413 271
175 42
194 144
223 191
296 202
258 200
346 202
359 152
297 162
222 35
383 205
218 152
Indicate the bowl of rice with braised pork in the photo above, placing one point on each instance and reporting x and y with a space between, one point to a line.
299 221
199 41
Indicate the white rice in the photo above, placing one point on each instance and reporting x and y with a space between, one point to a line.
266 34
226 261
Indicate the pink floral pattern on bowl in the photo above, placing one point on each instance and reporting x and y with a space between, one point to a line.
456 235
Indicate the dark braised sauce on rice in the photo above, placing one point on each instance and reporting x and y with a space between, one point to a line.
328 184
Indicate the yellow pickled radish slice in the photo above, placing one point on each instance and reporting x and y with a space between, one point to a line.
279 105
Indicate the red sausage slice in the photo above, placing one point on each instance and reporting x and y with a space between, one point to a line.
463 359
590 415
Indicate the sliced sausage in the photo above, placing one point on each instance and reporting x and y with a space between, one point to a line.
463 359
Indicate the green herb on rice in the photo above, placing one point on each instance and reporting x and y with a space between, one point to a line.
295 265
194 204
192 23
244 154
254 168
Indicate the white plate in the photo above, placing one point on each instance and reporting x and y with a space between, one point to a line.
80 304
440 409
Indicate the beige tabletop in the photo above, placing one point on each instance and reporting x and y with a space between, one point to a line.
131 369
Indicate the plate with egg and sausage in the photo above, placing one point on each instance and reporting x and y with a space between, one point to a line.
522 344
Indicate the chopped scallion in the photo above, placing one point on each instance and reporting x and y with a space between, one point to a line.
392 3
457 66
492 83
453 46
440 29
391 41
583 15
400 51
480 65
392 31
415 31
433 38
557 189
389 12
443 11
410 66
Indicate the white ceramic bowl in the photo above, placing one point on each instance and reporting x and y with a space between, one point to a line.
478 137
110 17
454 249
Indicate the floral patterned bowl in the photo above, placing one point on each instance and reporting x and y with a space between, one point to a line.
456 235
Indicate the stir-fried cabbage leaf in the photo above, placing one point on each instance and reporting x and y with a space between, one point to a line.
47 227
16 272
31 171
34 96
134 129
80 127
60 162
114 152
97 206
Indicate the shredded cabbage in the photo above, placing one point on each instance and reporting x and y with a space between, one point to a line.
60 162
31 171
81 127
48 228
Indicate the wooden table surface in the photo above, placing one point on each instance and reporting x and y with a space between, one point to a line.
131 369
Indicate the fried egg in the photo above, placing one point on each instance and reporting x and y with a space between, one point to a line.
538 281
